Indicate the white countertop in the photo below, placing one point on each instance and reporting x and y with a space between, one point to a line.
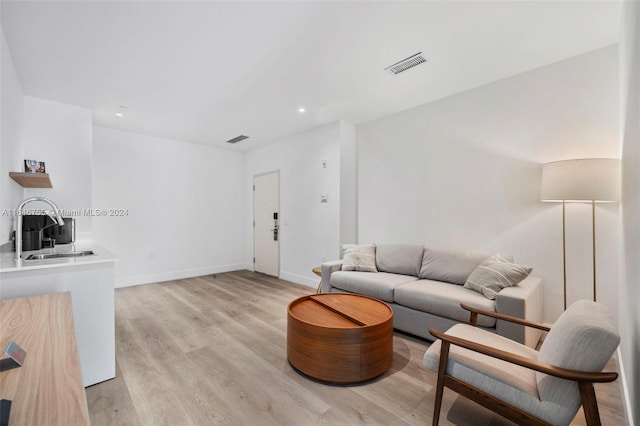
8 262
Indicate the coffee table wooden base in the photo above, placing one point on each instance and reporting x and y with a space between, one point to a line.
340 338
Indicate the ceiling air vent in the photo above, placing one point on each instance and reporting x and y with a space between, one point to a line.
238 139
407 63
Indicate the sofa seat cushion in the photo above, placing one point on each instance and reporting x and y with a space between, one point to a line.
380 285
444 299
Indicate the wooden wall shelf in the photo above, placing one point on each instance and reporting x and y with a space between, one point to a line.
32 180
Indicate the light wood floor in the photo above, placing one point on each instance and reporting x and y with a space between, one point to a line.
212 350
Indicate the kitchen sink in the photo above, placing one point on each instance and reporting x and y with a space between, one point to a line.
44 256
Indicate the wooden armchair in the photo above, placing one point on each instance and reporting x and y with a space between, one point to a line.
519 383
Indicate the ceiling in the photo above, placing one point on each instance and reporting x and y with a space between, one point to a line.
207 71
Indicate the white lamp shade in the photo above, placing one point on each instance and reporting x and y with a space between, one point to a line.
588 179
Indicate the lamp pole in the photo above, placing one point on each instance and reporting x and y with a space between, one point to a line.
593 229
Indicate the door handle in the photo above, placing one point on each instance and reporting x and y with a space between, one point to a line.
275 226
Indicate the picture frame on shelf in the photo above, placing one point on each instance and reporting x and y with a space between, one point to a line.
34 166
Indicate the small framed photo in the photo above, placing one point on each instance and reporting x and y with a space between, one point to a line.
34 166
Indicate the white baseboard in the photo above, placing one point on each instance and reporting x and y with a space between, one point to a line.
190 273
628 410
300 279
176 275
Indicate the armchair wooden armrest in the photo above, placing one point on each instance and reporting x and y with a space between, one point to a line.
475 312
563 373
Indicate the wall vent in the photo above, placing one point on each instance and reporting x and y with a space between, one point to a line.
407 63
238 139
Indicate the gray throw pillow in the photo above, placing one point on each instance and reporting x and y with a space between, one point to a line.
494 274
359 257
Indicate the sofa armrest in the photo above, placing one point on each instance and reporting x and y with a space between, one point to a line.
327 269
523 301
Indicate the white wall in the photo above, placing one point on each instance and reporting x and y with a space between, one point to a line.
464 172
310 230
185 216
629 294
60 135
11 147
348 183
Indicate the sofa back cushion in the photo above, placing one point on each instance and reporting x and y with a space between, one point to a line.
403 259
449 266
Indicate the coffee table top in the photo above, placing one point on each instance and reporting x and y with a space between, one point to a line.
340 310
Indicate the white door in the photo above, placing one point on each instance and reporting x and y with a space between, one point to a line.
266 206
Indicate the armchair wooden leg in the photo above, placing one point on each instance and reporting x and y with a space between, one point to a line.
442 369
589 403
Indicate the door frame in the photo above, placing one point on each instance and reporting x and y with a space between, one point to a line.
253 228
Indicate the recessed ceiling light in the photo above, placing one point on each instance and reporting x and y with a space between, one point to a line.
301 110
121 111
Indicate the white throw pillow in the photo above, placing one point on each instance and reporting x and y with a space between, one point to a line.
359 257
494 274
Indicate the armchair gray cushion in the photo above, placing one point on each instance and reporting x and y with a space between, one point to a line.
486 371
583 338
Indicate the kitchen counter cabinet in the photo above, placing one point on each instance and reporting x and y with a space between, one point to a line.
91 282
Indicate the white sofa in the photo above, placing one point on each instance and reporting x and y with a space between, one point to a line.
425 289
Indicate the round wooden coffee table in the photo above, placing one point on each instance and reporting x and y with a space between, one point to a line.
340 338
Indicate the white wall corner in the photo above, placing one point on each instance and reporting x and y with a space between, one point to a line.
628 408
11 138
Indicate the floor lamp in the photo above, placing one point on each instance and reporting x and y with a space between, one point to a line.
592 180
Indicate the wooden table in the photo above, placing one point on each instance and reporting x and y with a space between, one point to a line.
340 338
318 271
47 389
